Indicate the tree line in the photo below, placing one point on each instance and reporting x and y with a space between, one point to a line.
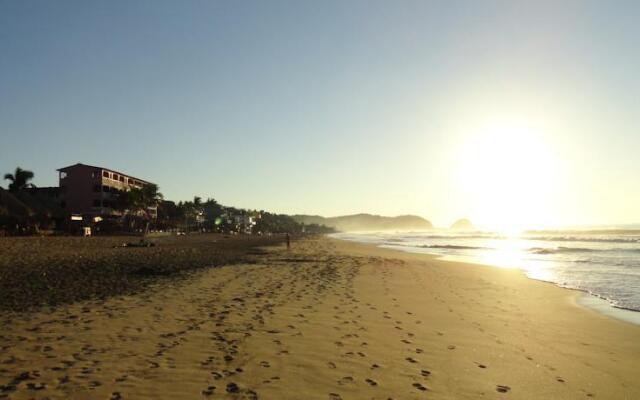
24 210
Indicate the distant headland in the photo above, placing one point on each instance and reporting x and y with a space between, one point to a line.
462 224
367 222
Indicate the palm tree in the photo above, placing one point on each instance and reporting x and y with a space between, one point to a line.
138 201
19 179
150 196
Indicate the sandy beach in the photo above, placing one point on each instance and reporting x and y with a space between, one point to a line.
36 271
327 319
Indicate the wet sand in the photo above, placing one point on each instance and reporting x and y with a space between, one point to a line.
325 320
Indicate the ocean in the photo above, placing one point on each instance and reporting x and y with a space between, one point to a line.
603 263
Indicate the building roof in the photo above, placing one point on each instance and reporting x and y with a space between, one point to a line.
108 169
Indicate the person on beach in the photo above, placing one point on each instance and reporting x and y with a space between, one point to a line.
288 241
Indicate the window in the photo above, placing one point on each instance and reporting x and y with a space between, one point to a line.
106 189
63 174
121 178
105 174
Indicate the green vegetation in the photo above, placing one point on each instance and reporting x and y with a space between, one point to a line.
137 203
19 179
25 210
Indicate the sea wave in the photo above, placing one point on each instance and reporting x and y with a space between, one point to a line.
618 239
452 247
556 250
561 249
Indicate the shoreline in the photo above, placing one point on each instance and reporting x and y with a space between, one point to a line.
584 299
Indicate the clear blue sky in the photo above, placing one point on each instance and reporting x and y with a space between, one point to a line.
330 107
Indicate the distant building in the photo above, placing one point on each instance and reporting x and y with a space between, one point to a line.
241 222
86 189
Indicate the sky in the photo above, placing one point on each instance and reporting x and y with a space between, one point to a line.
513 114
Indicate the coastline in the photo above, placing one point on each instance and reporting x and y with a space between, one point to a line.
326 319
584 299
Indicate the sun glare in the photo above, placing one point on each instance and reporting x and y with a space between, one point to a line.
506 173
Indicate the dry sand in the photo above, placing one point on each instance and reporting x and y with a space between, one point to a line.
325 320
36 271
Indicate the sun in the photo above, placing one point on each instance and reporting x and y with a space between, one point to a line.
506 173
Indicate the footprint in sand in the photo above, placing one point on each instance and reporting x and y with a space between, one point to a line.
371 382
419 386
344 380
216 375
411 360
334 396
265 364
36 386
207 392
331 365
425 372
559 379
451 347
502 388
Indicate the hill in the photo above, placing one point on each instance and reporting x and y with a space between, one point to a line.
367 222
462 224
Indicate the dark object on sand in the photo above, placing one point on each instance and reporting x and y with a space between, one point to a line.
233 388
141 243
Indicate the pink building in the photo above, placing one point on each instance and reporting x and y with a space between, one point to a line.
85 189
